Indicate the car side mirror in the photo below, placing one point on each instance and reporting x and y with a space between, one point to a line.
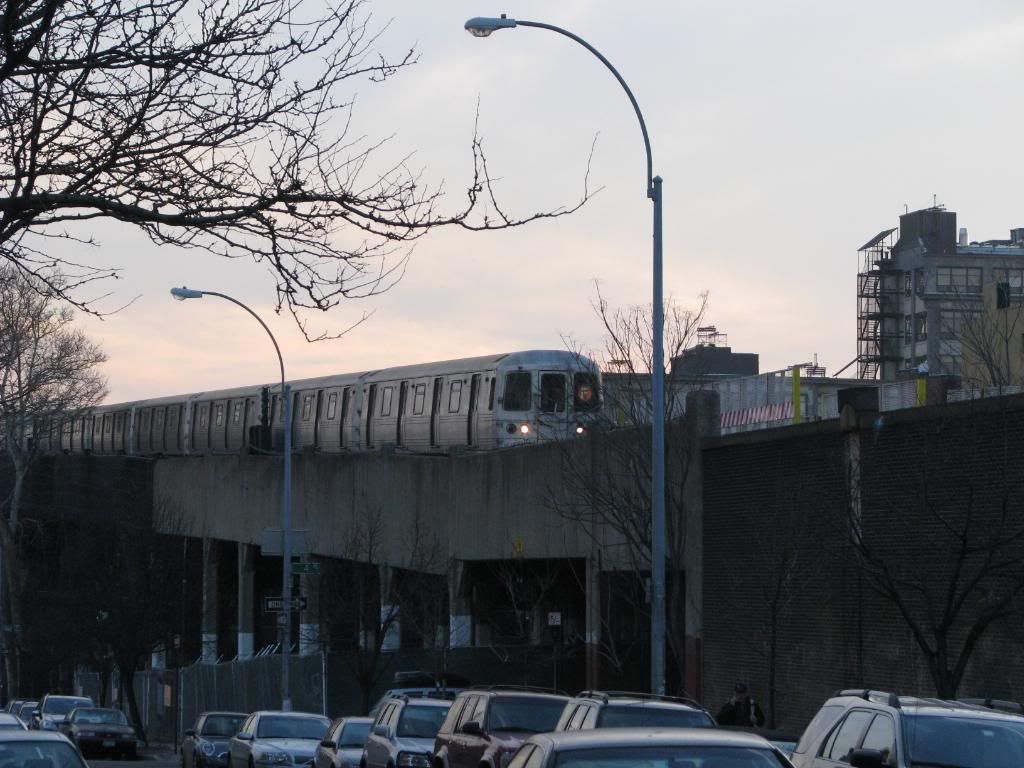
867 758
328 744
35 713
472 728
190 731
381 730
244 737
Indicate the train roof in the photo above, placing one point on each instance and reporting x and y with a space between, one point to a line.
559 357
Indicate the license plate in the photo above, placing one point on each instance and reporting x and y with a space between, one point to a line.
109 743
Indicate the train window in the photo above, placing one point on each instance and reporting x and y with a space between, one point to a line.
517 391
219 413
117 421
419 395
552 393
332 405
108 423
455 397
202 415
158 419
385 401
236 415
585 395
307 407
490 396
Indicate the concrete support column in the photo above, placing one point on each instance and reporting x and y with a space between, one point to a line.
390 620
703 419
247 554
309 623
209 617
460 620
592 632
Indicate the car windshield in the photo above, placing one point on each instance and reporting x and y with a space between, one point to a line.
61 706
523 713
675 756
27 709
420 722
273 727
44 754
964 742
100 717
356 734
222 725
639 716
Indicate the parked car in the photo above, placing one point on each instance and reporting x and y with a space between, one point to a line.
36 749
277 738
629 747
422 685
485 726
13 705
53 709
872 729
403 733
597 709
98 730
206 743
784 740
25 710
343 745
7 721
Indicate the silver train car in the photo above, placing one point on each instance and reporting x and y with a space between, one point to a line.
489 402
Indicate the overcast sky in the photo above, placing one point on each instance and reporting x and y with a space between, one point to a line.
787 133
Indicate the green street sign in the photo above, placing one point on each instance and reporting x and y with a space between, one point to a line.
310 569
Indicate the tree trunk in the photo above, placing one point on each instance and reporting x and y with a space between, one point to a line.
127 667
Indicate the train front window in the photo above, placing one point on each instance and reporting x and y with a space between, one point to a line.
517 391
585 392
552 393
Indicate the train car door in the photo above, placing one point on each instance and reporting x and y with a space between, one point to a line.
370 404
553 416
472 425
435 412
346 413
317 415
173 441
403 390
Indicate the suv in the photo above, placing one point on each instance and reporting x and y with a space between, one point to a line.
485 726
614 709
53 709
403 734
422 684
872 729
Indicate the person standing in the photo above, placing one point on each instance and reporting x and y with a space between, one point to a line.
740 709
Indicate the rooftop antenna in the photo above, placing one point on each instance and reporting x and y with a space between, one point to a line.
935 201
906 208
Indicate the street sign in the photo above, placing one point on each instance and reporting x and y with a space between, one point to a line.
310 569
272 546
276 604
555 619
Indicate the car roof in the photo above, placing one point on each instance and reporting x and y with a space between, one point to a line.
67 696
626 701
515 692
366 720
919 705
224 712
638 737
422 701
13 735
282 713
9 717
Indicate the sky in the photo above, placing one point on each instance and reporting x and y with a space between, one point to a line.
788 133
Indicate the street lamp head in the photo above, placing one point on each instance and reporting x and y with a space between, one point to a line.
185 293
482 26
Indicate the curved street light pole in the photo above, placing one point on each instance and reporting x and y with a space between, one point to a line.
286 496
482 27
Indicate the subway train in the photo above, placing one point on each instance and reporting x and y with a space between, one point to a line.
489 402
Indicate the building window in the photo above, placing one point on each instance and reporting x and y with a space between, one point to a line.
1015 277
921 326
908 281
908 329
958 280
922 282
954 322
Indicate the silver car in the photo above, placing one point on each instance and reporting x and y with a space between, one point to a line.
277 739
206 743
403 733
343 745
38 748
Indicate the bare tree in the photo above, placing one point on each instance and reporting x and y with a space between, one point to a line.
610 487
214 125
48 370
944 544
986 334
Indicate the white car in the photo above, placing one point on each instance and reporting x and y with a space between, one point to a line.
277 739
403 733
53 709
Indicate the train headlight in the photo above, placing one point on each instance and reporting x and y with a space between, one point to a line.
524 429
580 429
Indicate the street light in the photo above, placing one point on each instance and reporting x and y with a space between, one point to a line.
482 26
182 294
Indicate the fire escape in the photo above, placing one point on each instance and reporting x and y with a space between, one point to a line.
878 306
